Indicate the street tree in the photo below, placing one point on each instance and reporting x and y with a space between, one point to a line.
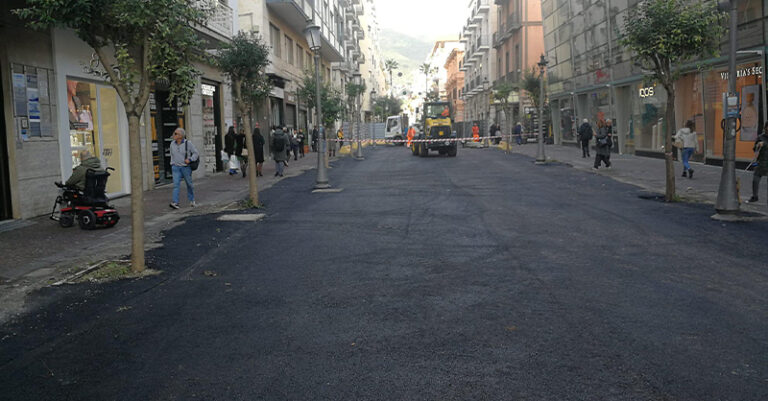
664 34
332 102
390 65
244 61
501 92
137 42
427 70
531 84
386 106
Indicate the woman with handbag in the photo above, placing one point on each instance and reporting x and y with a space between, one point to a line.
685 138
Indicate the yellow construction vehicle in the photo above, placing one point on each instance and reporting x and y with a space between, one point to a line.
437 128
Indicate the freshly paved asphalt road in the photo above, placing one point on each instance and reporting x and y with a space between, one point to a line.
481 277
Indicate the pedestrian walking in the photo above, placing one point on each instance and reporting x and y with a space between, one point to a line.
280 144
239 146
686 136
603 146
183 153
301 139
761 161
258 149
294 140
229 148
340 137
585 135
519 133
314 139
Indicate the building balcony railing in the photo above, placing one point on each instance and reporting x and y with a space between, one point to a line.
483 6
221 18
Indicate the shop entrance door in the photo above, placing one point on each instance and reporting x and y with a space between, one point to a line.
5 178
166 122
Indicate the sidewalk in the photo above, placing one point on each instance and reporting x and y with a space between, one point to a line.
650 174
40 251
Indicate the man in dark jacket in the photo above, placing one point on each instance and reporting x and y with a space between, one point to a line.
87 162
279 146
603 146
239 146
761 161
585 135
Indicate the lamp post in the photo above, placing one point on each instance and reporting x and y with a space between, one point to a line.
540 158
373 114
727 197
312 33
358 92
486 110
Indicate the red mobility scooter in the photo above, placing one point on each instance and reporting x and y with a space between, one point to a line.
89 207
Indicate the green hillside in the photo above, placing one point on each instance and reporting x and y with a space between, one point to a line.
408 51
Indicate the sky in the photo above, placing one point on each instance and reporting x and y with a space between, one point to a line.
429 19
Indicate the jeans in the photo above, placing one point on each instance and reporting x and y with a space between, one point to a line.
519 139
180 172
602 158
279 167
687 153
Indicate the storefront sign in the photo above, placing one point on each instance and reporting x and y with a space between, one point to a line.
207 90
744 72
646 92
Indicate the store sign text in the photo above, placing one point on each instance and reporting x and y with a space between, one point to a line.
207 90
744 72
646 92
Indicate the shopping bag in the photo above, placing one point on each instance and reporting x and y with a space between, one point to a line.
234 164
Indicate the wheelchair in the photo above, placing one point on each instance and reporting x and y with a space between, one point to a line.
89 207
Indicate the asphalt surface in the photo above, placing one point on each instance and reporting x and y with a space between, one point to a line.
479 277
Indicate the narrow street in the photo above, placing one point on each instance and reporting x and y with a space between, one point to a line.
479 277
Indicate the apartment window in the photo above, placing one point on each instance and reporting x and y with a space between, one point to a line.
506 61
288 50
274 37
299 56
309 61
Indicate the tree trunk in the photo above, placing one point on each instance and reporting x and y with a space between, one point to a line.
669 194
253 185
137 194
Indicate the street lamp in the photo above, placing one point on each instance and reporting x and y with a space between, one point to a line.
486 110
358 92
373 114
540 158
727 193
312 33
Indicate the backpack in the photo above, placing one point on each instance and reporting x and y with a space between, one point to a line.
278 144
586 134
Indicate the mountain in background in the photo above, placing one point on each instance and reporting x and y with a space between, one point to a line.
408 51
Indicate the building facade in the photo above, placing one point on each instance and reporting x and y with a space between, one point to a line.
455 83
518 42
479 65
591 76
53 108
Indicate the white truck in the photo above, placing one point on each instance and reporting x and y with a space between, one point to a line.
396 128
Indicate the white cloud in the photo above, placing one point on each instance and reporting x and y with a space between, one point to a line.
432 19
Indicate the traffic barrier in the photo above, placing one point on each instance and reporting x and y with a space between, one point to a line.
479 139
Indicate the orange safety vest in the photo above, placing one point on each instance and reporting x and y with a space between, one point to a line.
411 133
476 133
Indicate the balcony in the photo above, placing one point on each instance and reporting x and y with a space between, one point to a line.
219 25
294 12
482 46
483 6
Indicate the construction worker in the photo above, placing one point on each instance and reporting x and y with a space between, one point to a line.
476 132
411 134
446 112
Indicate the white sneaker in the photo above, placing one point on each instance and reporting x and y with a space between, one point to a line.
174 205
192 204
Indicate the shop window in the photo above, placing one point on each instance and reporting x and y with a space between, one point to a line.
748 85
689 105
94 126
